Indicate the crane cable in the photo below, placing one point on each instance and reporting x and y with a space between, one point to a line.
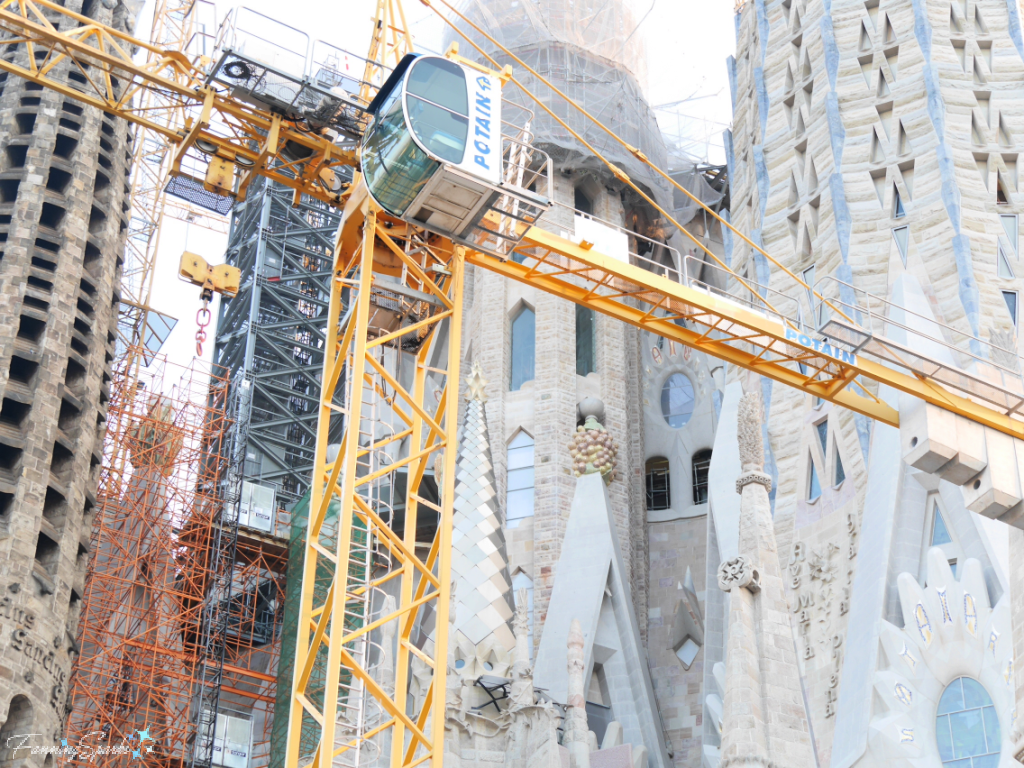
636 152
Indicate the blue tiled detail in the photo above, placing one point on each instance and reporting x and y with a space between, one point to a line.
950 191
1014 26
828 40
762 99
716 402
836 130
736 20
968 288
763 185
763 27
923 30
730 66
863 425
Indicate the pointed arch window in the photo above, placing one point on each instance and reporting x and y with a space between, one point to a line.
813 483
838 471
902 237
519 492
524 342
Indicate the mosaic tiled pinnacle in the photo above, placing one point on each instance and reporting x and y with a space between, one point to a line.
483 588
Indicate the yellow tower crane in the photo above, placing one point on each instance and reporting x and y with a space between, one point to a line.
425 199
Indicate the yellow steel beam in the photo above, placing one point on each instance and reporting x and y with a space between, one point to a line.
115 81
365 249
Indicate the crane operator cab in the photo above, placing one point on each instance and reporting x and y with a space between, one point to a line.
435 154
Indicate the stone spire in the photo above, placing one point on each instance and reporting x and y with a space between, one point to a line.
522 674
483 605
577 733
764 721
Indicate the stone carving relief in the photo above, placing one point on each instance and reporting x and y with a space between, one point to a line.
738 572
949 631
821 598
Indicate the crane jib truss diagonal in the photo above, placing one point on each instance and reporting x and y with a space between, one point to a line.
429 430
748 336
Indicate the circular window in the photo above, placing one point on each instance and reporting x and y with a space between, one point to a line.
967 727
460 663
677 400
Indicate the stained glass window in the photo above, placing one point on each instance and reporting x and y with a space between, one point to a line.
967 727
939 533
677 400
519 501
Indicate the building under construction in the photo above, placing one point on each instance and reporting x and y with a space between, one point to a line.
657 557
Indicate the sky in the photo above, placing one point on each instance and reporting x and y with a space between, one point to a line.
688 42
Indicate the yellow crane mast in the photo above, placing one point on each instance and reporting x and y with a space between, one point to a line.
402 234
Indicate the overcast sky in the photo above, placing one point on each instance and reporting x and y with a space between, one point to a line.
688 42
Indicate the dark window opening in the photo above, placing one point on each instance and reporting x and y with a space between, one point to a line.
51 216
96 220
9 190
49 266
582 202
12 412
65 146
55 508
656 474
70 416
586 341
58 180
72 109
26 122
75 375
10 457
31 328
47 553
22 370
16 154
61 461
102 182
31 101
701 466
32 301
38 282
69 124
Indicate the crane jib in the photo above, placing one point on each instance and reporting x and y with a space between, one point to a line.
821 347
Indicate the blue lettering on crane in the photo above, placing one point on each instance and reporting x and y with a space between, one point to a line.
482 123
822 347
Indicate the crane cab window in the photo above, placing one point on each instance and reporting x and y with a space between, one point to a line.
395 167
437 101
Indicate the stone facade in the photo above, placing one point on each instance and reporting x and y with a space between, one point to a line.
64 184
873 151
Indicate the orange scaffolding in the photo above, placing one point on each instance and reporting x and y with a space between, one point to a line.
181 607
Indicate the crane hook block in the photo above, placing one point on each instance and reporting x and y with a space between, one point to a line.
220 278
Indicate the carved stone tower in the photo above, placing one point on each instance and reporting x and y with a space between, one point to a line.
64 184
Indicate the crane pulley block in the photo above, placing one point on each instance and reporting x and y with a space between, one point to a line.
219 278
